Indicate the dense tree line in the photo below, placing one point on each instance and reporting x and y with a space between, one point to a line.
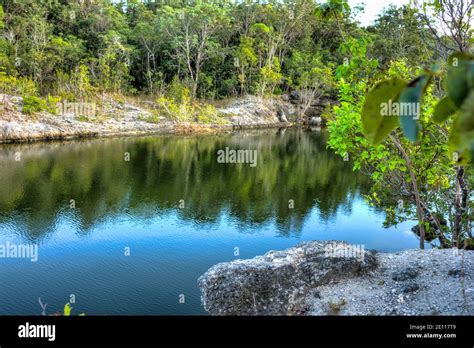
215 49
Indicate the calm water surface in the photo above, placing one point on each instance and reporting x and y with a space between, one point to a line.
135 205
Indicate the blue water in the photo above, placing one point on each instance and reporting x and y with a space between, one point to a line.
82 250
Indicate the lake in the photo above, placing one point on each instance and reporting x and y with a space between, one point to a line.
127 225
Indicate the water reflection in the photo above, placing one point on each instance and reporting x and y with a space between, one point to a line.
94 176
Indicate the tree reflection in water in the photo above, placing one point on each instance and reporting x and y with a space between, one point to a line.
293 164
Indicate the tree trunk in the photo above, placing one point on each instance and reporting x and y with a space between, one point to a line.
416 193
461 201
434 221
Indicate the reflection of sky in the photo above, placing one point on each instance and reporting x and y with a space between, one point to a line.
360 225
167 255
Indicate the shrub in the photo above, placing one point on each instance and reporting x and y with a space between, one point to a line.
188 110
51 104
154 117
76 85
175 110
17 86
178 90
208 114
32 104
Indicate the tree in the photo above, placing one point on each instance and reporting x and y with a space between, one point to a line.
245 62
408 38
111 69
418 174
266 42
150 63
192 31
336 10
450 24
307 74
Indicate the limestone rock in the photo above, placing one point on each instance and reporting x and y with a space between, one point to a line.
274 283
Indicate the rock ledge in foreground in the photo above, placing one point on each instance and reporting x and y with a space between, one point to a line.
274 284
304 280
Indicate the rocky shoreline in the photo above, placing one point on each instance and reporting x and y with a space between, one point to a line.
129 120
315 278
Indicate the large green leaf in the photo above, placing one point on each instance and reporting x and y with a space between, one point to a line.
377 124
462 133
410 106
443 110
459 77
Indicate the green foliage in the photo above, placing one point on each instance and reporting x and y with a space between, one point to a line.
33 104
335 308
185 109
113 64
17 86
82 118
51 102
191 31
356 63
245 61
459 77
462 133
443 110
336 7
217 49
2 15
358 132
458 102
399 34
178 111
376 125
208 114
67 310
306 70
336 10
411 96
178 91
269 77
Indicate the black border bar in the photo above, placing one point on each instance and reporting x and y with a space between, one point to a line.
195 330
